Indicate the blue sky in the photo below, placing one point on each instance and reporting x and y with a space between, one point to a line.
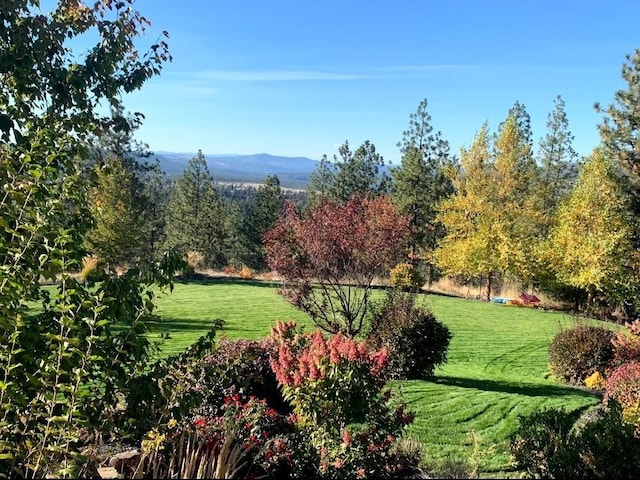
298 78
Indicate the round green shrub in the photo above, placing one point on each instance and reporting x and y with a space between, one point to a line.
540 444
577 353
416 341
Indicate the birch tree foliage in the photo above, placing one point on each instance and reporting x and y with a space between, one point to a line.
517 203
590 246
468 216
492 218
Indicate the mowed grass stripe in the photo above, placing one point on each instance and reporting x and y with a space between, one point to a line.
248 308
496 369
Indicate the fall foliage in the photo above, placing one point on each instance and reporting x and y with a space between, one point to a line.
330 256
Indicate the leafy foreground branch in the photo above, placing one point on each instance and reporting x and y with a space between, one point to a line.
65 372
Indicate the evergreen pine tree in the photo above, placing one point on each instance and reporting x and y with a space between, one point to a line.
558 162
526 163
320 182
238 250
419 184
360 173
117 235
156 196
195 215
267 207
620 133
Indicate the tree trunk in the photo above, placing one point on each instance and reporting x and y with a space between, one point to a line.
489 285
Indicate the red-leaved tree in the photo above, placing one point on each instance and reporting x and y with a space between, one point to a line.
330 255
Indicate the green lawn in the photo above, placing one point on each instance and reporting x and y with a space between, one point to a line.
496 370
248 308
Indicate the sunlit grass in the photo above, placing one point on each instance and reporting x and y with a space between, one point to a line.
496 369
248 308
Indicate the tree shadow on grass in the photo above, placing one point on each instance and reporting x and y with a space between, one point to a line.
207 280
168 324
185 325
527 389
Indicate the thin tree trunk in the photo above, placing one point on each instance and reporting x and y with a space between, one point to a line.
489 285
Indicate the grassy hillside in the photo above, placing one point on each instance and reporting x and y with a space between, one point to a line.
496 370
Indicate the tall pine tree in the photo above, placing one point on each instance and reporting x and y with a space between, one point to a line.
360 173
266 209
419 184
195 215
156 195
523 121
620 133
320 182
525 163
118 233
558 162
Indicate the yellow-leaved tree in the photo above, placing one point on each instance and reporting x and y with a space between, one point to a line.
468 216
492 218
590 245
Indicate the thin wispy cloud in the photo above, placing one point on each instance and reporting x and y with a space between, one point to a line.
272 75
429 68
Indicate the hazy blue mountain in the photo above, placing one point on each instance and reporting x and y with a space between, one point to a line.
293 172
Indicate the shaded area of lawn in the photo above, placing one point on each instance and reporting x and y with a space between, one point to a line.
527 389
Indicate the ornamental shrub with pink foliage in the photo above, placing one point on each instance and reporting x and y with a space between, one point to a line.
627 345
336 386
623 385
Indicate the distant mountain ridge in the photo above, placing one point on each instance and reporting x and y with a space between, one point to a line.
293 172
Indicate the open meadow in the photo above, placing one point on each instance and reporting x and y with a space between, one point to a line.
496 369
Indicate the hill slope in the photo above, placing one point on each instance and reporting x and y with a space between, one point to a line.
293 172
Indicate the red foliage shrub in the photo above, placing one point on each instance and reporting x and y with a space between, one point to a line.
623 385
577 353
342 248
336 387
627 345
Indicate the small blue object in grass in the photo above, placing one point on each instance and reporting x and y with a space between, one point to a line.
500 300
